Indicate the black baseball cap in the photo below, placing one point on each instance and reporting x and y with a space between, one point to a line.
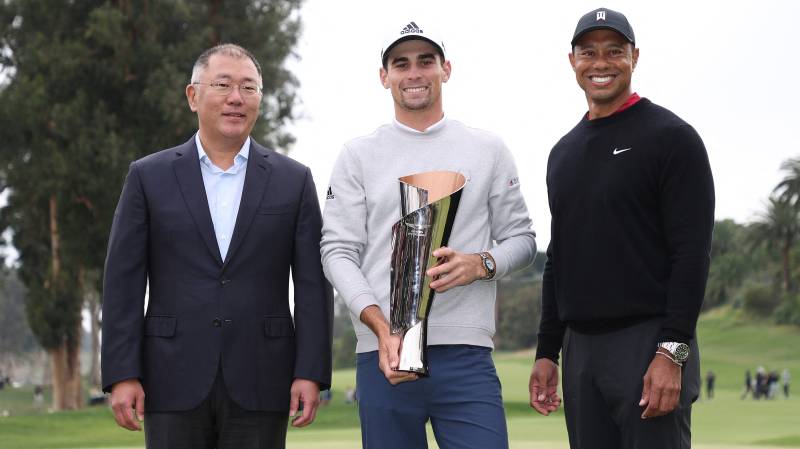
604 18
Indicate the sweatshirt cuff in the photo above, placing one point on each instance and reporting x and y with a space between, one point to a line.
501 262
548 347
675 335
360 303
512 255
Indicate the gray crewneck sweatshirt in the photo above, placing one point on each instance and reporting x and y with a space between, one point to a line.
364 202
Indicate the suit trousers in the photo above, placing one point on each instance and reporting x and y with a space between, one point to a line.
602 382
217 423
461 398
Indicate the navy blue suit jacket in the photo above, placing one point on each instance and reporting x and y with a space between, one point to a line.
203 313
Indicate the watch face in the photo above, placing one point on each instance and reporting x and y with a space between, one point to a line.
681 352
489 264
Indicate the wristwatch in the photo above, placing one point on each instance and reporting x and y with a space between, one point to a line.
678 351
488 264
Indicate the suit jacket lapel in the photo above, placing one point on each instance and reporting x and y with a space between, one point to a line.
187 170
255 183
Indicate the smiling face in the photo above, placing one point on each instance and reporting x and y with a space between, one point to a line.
415 75
225 117
603 61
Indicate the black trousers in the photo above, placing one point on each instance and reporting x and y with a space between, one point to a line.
217 423
602 382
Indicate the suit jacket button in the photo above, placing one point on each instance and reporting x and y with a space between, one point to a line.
224 281
217 322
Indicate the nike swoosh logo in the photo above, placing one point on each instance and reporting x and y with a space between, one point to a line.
618 151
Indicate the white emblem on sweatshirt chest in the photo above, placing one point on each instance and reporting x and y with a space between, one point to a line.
618 151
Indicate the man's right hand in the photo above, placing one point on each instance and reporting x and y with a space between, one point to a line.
388 346
543 386
127 396
389 360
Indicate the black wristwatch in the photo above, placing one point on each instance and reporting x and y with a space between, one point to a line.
488 264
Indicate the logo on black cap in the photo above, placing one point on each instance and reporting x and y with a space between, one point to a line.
603 18
411 28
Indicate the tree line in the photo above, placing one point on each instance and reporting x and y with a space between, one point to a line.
754 266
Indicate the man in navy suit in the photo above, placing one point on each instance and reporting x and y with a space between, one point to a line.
214 226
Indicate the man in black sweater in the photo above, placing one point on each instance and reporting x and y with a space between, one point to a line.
632 203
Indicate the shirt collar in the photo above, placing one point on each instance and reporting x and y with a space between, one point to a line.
632 100
240 158
435 127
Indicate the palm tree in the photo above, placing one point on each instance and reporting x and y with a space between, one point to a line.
778 228
788 189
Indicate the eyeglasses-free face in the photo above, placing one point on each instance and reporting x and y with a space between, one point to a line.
414 76
603 61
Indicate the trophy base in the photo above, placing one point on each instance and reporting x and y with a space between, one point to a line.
412 352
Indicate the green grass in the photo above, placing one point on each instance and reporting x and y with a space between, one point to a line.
729 344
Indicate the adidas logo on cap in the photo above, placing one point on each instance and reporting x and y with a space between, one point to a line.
411 28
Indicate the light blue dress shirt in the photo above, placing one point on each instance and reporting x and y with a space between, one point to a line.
223 191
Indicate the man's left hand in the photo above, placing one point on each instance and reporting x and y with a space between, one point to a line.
307 392
662 387
455 269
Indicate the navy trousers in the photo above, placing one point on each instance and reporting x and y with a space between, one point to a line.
461 398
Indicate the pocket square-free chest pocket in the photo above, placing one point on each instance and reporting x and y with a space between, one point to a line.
275 209
278 326
159 326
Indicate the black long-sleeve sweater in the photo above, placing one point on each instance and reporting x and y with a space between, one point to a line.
632 203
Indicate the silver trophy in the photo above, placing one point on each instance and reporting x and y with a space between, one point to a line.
428 203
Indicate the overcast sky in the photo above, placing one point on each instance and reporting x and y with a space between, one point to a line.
727 68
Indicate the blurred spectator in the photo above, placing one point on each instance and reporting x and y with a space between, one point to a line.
349 395
748 384
325 397
38 397
772 384
786 379
710 378
760 388
96 397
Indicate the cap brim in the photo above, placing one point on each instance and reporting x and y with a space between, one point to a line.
391 46
601 27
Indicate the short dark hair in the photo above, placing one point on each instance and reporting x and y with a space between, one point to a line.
231 50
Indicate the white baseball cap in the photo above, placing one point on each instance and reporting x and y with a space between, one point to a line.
408 32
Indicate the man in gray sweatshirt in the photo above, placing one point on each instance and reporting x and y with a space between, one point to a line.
491 238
